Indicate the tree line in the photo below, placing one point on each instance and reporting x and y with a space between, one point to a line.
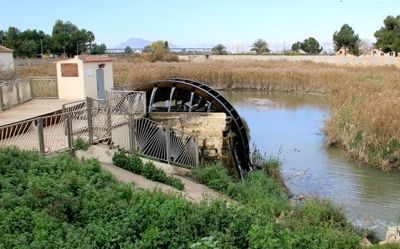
345 40
66 38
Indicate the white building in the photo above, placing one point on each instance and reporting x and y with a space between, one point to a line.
6 58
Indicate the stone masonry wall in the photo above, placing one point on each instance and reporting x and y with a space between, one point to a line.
208 127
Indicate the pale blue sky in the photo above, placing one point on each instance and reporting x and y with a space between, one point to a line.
190 22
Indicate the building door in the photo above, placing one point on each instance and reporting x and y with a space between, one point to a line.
101 94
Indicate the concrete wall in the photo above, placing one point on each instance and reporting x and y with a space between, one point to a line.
6 61
91 81
85 85
208 127
71 88
338 60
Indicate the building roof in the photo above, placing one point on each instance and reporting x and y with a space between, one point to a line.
4 49
96 58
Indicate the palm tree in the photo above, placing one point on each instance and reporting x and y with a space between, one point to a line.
219 49
260 46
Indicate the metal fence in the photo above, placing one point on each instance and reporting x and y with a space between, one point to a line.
19 91
106 122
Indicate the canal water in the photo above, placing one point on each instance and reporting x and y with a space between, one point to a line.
288 125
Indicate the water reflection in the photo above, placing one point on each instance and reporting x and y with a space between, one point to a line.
288 125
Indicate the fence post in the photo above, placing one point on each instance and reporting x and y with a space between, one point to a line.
167 144
108 122
41 135
31 87
89 119
68 129
17 92
196 151
131 129
1 100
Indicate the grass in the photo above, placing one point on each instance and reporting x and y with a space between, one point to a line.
364 101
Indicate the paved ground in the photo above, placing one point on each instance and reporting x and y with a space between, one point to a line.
31 109
193 192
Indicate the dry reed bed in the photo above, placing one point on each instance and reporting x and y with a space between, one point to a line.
364 101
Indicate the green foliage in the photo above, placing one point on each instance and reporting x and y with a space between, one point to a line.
219 49
61 202
296 46
98 49
128 50
80 144
311 46
215 176
345 38
388 37
314 224
134 164
260 46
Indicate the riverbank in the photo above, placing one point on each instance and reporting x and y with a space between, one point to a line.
61 202
364 101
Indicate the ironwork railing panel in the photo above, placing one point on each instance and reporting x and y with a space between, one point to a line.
23 135
128 101
184 148
24 90
55 134
10 94
44 87
74 106
151 139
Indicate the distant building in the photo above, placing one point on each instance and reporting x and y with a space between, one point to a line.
376 52
6 58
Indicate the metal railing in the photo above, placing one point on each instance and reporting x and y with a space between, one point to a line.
19 91
99 121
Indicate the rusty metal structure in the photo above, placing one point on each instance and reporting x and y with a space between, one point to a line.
184 95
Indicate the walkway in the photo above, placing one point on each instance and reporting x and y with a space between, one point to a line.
31 109
193 192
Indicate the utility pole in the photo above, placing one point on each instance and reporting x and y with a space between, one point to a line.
41 48
64 51
77 49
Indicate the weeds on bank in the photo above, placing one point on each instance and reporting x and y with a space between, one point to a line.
61 202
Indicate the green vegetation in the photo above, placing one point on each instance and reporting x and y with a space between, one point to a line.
346 39
388 37
80 144
311 46
66 37
260 46
312 224
61 202
134 164
219 49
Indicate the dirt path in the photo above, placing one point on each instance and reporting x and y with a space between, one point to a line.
193 192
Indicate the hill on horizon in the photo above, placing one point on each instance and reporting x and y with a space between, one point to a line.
139 43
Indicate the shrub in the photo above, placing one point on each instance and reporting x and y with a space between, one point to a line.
80 144
134 164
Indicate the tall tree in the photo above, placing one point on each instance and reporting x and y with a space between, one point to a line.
388 37
29 48
219 49
260 46
12 40
67 36
2 37
311 46
345 38
296 46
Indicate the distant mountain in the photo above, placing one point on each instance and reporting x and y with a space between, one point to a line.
134 43
139 43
